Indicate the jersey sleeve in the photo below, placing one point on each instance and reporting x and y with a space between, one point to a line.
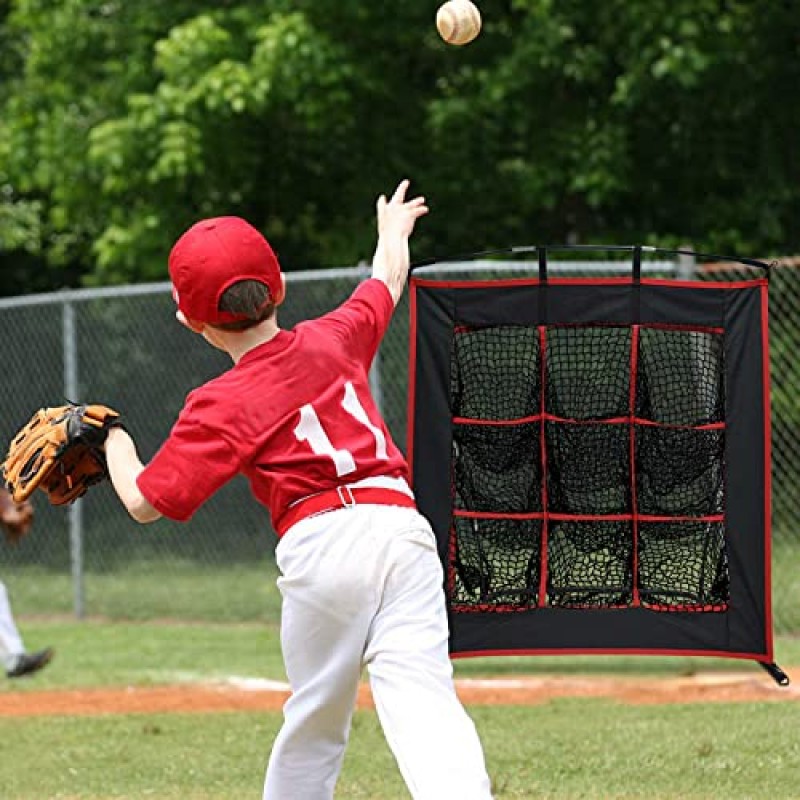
192 464
361 321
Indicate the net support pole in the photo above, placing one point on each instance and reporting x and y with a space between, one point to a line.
776 673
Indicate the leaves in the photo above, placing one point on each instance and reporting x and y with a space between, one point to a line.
120 124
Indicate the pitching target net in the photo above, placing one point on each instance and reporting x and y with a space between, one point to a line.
594 457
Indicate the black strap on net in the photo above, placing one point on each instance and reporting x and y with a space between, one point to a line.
636 295
542 252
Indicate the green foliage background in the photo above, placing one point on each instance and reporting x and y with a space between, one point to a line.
660 121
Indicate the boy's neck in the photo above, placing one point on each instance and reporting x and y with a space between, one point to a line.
237 343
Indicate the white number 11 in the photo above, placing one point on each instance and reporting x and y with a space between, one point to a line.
310 430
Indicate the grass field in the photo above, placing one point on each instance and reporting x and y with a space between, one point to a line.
151 589
566 748
562 749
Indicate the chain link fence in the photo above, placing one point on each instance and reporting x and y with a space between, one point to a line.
123 347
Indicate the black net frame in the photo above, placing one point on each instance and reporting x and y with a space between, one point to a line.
594 457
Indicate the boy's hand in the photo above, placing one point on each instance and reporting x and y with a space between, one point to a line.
396 217
396 220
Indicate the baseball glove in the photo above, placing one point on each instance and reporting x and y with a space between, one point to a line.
15 518
60 451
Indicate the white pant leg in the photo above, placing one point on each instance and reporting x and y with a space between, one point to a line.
330 592
11 645
432 737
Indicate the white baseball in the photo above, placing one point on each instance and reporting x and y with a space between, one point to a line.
458 21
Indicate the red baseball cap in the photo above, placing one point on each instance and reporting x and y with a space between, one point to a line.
213 255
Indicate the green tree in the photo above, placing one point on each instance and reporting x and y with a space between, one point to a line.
659 120
663 121
68 67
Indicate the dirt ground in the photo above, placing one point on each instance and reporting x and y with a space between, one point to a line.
253 695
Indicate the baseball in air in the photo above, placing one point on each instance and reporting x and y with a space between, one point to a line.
458 21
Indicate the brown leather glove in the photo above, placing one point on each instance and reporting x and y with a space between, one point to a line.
60 450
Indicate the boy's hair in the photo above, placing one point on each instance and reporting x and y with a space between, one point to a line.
252 299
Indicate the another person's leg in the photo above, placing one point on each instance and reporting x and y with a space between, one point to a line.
15 660
11 646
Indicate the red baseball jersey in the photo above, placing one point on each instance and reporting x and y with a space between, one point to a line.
295 415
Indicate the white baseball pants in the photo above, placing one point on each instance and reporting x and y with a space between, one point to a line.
363 585
11 645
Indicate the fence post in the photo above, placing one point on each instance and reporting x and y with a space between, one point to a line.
686 266
75 513
375 383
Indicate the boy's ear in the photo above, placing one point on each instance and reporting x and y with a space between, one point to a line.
282 294
191 324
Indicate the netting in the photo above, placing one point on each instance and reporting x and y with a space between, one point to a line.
681 377
504 356
588 468
497 467
496 563
590 564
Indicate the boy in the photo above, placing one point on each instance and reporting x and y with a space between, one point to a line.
360 578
